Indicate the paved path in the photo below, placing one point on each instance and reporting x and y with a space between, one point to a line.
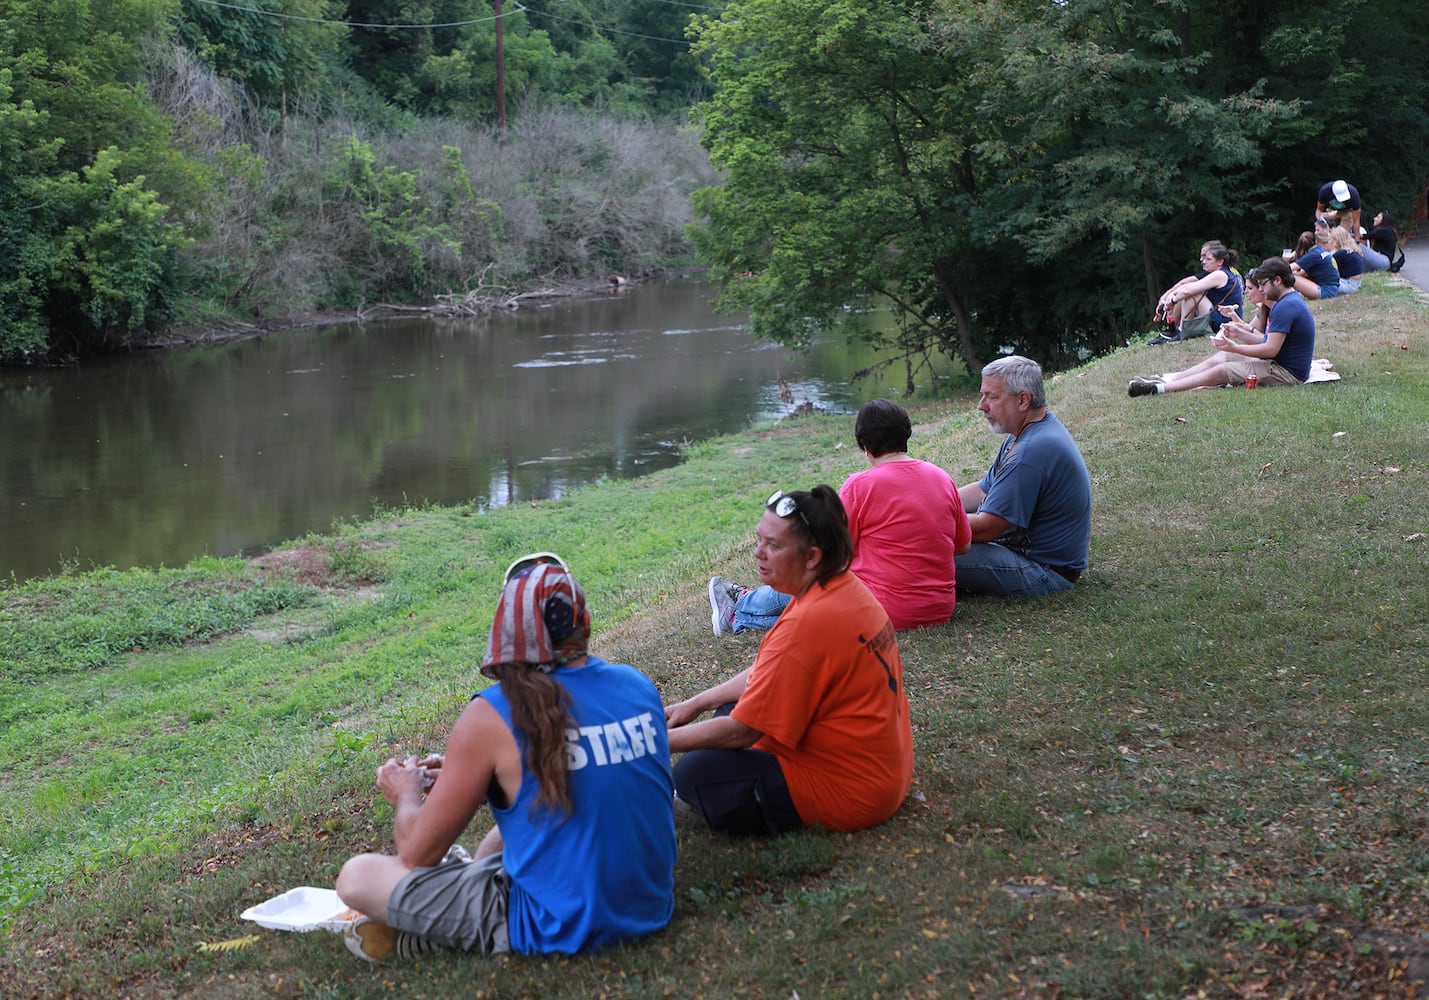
1416 264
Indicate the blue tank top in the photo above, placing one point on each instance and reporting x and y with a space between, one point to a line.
606 873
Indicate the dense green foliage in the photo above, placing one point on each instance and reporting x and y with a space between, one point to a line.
197 162
1006 173
1031 175
87 174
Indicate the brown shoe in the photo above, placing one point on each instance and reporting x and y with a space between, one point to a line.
373 941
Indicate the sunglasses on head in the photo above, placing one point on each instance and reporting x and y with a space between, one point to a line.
784 505
534 559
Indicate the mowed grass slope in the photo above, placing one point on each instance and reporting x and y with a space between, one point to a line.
1202 772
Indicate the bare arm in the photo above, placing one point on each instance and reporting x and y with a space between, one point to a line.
425 828
722 733
986 527
972 496
1267 348
1190 287
682 713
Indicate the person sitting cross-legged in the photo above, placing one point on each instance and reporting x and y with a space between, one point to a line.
817 732
1316 276
1280 356
1349 260
572 754
1031 514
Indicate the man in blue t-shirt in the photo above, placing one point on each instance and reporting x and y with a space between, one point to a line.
1280 356
1031 515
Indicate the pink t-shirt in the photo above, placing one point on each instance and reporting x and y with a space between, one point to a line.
907 521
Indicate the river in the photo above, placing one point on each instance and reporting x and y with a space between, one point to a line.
157 458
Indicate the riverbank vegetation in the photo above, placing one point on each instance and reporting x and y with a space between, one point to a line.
1022 175
1200 773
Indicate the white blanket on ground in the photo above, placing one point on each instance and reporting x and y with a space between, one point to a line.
1322 370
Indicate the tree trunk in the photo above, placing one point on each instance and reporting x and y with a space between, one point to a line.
966 351
1152 288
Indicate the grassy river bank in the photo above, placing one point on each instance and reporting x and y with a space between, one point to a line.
1202 772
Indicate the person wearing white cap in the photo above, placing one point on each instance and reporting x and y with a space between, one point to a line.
1340 200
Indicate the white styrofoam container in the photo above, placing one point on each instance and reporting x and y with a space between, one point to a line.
303 909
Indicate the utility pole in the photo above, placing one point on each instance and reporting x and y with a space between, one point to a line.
500 81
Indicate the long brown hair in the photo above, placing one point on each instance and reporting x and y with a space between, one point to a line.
540 715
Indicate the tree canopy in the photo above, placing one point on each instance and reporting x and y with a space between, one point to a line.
1027 175
1006 173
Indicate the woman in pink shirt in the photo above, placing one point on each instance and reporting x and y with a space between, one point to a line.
907 524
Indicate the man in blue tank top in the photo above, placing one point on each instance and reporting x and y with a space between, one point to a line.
573 756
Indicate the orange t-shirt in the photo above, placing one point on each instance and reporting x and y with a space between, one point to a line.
826 690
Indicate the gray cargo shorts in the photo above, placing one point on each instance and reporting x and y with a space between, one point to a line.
459 904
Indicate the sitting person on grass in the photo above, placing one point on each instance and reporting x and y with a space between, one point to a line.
1381 243
1279 356
1031 514
817 731
572 754
1191 307
1348 260
1315 273
1250 331
907 524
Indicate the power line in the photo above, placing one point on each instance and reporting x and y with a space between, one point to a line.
448 24
340 24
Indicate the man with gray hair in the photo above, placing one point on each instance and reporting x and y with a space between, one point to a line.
1031 515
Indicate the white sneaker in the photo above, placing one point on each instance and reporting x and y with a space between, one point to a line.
721 606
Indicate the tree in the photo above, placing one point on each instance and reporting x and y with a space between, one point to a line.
89 171
849 155
1006 173
391 58
272 47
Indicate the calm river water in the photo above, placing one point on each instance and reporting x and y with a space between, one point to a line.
156 459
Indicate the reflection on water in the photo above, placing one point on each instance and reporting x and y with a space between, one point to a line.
154 460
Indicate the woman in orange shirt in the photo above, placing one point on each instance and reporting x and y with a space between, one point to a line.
816 732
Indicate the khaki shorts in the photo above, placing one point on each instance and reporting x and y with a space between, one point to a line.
1238 367
459 904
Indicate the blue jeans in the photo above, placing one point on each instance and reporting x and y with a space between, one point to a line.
759 608
990 568
1373 259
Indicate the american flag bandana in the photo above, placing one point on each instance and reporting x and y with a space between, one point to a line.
541 608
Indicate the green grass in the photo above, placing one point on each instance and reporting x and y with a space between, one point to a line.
1202 772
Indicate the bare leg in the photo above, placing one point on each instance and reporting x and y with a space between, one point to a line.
1200 368
367 880
1306 287
1194 306
1211 372
491 843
